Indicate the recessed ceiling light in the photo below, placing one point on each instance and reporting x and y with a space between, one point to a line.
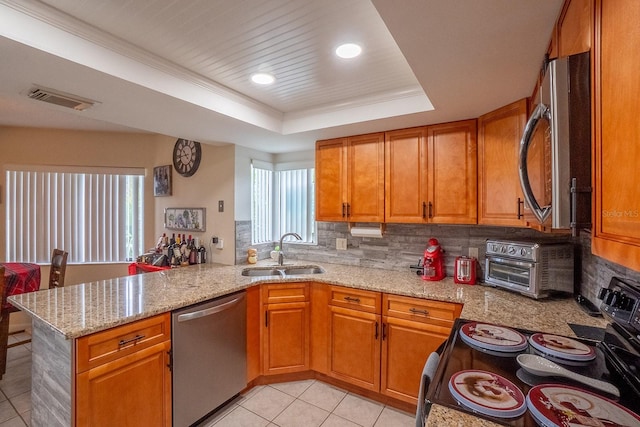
348 50
263 78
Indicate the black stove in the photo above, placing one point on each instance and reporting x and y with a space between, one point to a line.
617 358
621 343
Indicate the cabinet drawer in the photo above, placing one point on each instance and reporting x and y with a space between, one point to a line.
285 292
421 310
102 347
356 299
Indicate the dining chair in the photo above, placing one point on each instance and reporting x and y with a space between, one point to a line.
58 268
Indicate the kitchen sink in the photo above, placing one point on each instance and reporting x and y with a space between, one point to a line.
282 271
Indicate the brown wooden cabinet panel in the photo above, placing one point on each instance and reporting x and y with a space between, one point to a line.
254 323
127 391
452 173
406 175
350 179
500 198
366 178
574 27
286 338
437 313
331 179
319 327
355 299
616 235
405 348
354 347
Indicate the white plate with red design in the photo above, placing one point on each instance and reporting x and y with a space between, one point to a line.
487 393
562 347
563 405
493 337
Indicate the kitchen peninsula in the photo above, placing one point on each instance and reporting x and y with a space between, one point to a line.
63 316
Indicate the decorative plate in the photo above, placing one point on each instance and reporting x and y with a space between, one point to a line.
562 347
493 337
487 393
563 405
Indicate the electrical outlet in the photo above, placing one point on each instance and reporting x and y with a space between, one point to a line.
220 205
341 244
473 252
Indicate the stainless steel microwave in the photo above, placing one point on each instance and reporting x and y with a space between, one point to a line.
555 150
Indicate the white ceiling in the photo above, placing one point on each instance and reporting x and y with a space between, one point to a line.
182 68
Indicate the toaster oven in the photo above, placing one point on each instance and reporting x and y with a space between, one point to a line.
533 269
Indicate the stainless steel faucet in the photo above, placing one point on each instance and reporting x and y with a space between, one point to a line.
281 254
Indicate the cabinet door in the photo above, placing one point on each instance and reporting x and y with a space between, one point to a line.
574 27
500 199
452 181
366 178
616 235
405 176
331 180
286 338
354 347
129 391
405 347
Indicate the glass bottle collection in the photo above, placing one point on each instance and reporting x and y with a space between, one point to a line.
180 250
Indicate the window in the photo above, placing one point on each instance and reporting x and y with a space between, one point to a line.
95 214
282 201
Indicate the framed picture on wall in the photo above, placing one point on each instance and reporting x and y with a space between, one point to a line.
187 219
162 181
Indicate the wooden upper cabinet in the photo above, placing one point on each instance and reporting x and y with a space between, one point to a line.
406 175
500 200
452 173
331 179
574 27
616 235
365 175
430 174
350 179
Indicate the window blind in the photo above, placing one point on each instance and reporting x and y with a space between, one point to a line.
97 217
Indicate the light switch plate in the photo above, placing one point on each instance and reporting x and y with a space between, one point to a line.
341 244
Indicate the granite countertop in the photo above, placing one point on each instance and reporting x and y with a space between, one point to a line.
79 310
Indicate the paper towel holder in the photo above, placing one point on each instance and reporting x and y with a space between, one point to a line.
367 231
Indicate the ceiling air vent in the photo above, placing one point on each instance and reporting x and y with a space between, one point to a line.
61 98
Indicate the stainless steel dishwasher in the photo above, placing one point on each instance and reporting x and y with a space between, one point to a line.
209 356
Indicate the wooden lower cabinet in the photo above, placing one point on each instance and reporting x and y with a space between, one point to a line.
405 347
123 376
286 346
354 347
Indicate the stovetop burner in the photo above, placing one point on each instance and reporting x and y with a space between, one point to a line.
459 356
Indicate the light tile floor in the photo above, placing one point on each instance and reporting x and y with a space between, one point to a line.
15 386
306 403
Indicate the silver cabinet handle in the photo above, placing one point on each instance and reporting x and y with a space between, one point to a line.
209 311
351 299
417 311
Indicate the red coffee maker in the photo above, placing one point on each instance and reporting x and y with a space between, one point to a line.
433 265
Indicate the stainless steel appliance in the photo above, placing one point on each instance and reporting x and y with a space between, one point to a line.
209 356
616 359
555 150
535 269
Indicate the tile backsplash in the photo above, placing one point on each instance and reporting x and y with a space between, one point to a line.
403 245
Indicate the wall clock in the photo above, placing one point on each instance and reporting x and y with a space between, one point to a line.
186 156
